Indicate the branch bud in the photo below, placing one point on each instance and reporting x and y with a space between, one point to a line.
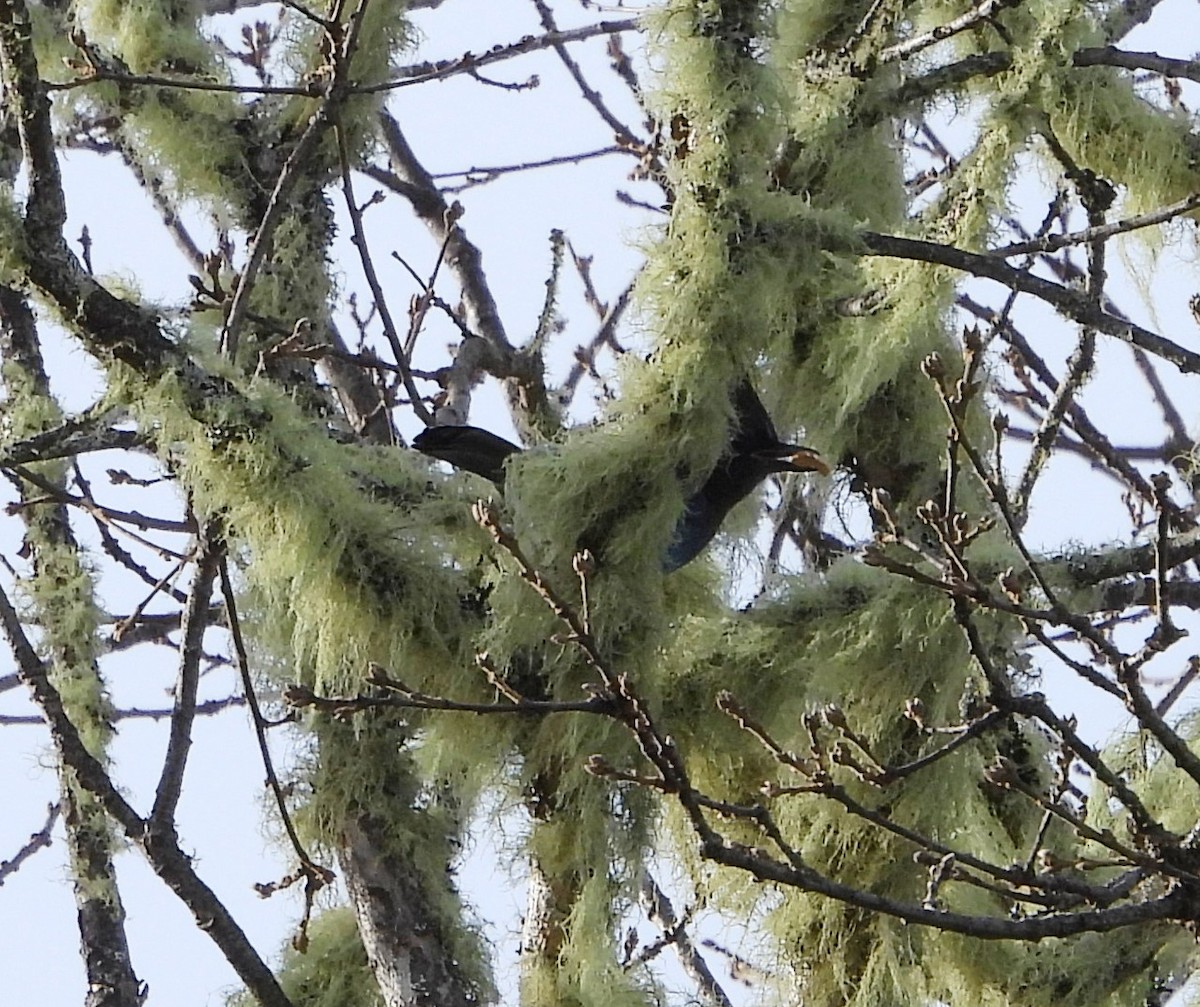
932 367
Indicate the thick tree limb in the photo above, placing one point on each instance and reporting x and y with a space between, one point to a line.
118 329
74 437
1126 16
662 913
410 956
1112 56
981 12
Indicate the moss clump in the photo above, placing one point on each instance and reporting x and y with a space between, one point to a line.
332 971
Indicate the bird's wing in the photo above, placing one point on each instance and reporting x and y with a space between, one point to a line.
469 448
754 427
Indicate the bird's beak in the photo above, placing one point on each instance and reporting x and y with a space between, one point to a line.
792 458
807 460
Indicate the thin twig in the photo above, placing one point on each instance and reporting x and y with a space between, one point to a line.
625 136
316 873
471 62
39 840
1053 242
368 265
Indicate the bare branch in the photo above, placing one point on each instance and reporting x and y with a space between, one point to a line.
170 862
980 13
195 621
40 840
364 253
1112 56
470 63
662 913
1053 242
317 875
625 136
1069 302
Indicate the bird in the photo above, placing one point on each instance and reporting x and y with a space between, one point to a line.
472 449
753 453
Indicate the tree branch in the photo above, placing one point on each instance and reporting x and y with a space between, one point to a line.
1112 56
163 852
1073 304
195 621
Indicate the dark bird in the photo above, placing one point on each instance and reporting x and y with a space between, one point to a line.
754 452
470 448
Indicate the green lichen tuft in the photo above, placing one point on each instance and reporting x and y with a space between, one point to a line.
332 971
149 35
338 570
869 644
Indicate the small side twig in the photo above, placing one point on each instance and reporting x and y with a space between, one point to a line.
39 840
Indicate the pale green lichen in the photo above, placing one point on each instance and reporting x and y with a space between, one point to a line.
749 269
12 235
178 137
385 33
339 571
58 597
185 140
854 385
340 564
149 35
894 642
332 971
